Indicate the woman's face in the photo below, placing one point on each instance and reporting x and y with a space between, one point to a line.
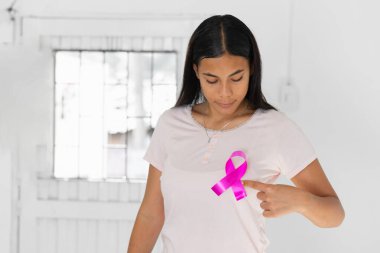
224 81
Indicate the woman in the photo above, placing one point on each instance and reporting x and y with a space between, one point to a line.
214 156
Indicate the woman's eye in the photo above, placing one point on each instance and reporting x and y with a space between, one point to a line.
212 82
237 79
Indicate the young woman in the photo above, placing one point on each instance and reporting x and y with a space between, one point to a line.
214 156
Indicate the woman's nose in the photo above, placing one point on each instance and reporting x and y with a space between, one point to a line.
225 90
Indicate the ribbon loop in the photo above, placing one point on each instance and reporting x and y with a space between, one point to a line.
233 177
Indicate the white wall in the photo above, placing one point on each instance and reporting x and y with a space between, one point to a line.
335 63
336 67
5 200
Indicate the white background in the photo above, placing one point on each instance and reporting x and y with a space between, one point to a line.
334 66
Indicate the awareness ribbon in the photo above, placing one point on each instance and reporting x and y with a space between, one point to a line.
232 178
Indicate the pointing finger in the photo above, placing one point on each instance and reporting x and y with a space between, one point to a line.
255 185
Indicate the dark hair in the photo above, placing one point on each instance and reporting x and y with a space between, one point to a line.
213 37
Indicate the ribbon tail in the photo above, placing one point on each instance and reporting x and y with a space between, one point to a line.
218 188
239 191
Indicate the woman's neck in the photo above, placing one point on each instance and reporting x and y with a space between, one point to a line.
213 117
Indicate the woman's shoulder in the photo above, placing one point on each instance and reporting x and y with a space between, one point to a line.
273 115
278 119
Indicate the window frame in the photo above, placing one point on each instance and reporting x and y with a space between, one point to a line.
104 51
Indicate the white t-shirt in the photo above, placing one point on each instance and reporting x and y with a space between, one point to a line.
196 219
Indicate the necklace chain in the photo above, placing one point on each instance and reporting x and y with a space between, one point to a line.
204 126
209 137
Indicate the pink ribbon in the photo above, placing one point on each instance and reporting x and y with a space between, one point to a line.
233 177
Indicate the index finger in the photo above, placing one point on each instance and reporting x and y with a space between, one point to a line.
255 185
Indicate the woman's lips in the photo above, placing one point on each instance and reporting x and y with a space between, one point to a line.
225 105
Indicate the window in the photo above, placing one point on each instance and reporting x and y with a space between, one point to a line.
107 104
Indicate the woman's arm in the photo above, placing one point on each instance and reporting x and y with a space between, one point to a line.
313 197
324 212
318 202
150 218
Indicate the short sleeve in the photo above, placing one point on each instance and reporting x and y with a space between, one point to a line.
156 151
295 151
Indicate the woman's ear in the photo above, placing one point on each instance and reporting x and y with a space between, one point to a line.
195 70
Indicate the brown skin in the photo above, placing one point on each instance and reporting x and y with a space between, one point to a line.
227 86
313 196
150 218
